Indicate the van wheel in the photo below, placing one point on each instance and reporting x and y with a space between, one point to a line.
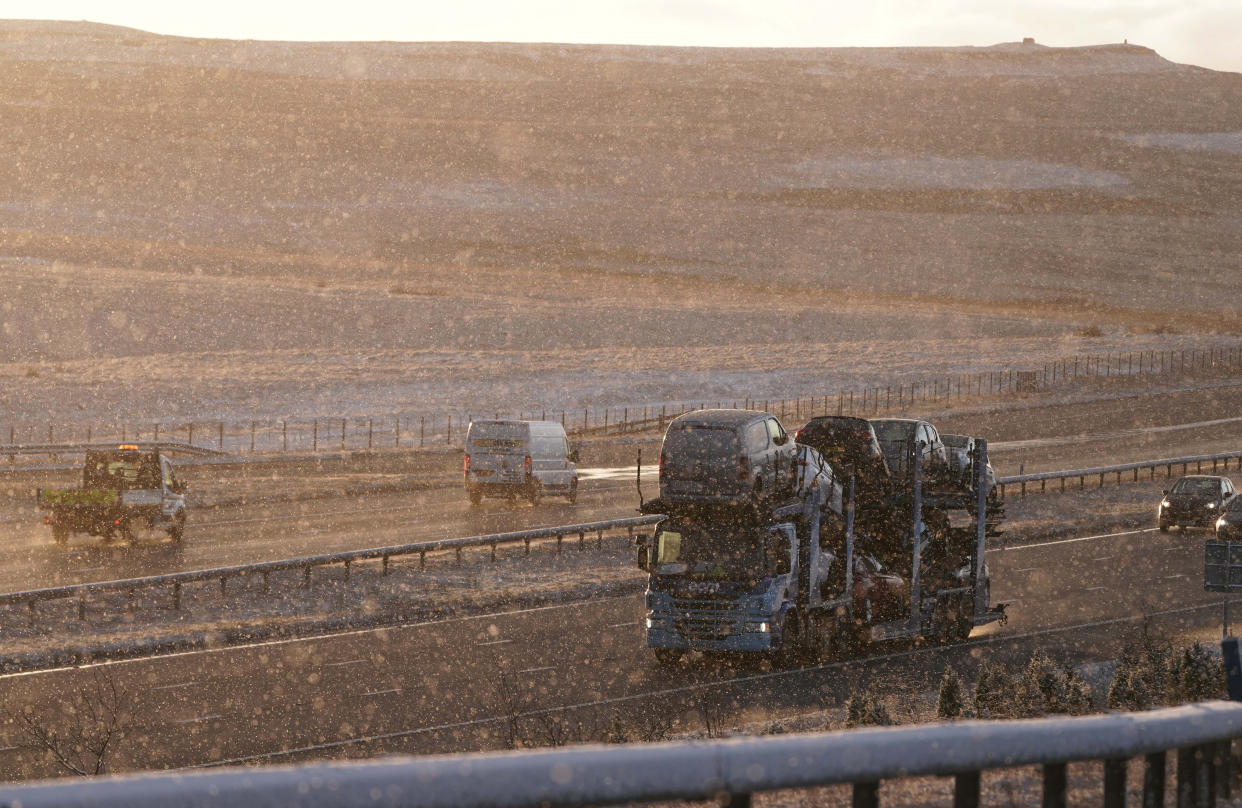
532 493
476 496
572 496
177 531
60 533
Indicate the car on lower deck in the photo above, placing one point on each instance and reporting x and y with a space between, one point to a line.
1196 500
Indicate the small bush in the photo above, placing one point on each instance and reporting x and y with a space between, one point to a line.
994 691
1050 688
32 372
1089 331
949 704
865 710
1195 675
1128 690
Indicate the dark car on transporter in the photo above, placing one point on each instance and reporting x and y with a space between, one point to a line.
1196 500
1229 523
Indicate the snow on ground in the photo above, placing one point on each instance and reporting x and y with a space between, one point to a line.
942 172
1230 142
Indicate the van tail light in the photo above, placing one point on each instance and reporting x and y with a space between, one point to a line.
527 465
661 465
467 465
743 468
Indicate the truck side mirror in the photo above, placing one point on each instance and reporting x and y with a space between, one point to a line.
641 541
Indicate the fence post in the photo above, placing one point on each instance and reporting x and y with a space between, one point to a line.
370 431
422 430
448 432
220 443
284 436
342 434
252 427
315 436
396 432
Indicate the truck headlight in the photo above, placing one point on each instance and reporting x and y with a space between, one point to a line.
762 627
1221 523
1164 503
1211 506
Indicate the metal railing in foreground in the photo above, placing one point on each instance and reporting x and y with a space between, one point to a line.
1219 461
306 563
731 771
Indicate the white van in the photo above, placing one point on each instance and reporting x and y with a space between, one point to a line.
508 458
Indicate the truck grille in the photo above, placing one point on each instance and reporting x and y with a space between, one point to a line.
704 618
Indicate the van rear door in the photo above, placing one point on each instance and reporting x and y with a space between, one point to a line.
498 451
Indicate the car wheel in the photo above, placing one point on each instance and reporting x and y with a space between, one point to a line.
1163 526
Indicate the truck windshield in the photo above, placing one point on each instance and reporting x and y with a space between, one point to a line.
712 551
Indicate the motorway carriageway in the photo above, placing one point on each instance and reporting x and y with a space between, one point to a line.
468 683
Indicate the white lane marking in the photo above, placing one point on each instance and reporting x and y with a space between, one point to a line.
992 639
9 748
176 686
86 569
1171 577
346 662
1074 541
494 642
1104 558
1027 569
198 720
538 670
1095 588
625 625
382 692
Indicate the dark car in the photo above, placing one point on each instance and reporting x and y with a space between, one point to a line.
1196 500
1229 525
898 438
848 444
726 456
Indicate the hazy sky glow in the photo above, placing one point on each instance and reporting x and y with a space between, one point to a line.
1201 32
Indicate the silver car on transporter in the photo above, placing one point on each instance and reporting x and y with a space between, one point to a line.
519 458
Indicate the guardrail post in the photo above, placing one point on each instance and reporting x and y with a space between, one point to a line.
581 540
347 570
458 551
1154 780
493 551
81 607
30 605
385 565
266 582
224 586
177 596
1055 785
1115 783
526 542
966 790
422 561
560 537
1186 791
306 576
866 795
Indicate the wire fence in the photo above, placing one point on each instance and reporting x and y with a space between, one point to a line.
447 430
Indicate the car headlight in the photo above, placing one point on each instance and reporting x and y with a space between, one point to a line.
1164 503
1221 522
1211 506
762 627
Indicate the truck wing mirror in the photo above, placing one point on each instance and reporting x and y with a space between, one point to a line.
642 542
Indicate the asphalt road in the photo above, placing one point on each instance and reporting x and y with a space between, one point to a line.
579 670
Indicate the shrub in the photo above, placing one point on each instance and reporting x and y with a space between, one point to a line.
1048 687
993 692
1089 331
866 710
949 703
1195 675
1128 690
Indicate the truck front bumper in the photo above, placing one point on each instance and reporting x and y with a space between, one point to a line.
756 642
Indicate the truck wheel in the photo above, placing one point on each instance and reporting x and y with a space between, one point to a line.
668 656
953 620
60 533
792 652
572 496
476 495
177 531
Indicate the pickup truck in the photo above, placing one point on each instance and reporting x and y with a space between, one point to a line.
124 491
